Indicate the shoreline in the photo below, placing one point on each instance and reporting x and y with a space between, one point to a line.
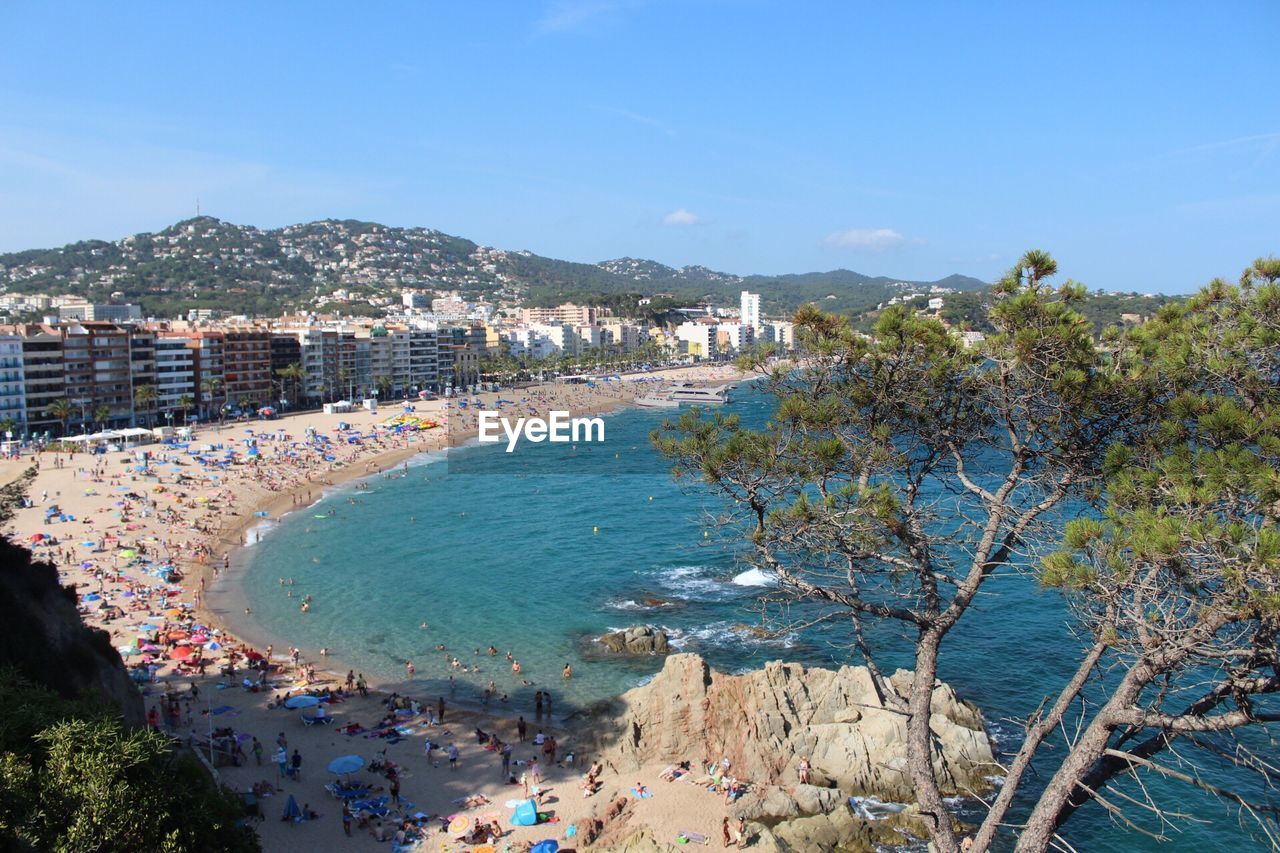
226 597
188 509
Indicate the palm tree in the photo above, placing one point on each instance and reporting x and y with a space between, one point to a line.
384 386
343 376
212 386
62 410
145 396
293 374
102 414
185 402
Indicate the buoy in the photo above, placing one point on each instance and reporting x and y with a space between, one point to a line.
706 534
595 531
650 497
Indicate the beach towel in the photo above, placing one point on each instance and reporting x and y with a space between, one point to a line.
641 795
691 838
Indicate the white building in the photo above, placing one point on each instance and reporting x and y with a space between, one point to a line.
749 311
698 339
175 373
415 300
13 398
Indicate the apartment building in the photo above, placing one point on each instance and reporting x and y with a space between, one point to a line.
13 392
246 368
421 347
175 375
97 372
88 311
42 373
698 338
749 309
626 337
568 314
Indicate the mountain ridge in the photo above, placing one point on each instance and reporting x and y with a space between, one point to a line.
210 262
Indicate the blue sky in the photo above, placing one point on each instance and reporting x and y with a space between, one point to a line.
1138 142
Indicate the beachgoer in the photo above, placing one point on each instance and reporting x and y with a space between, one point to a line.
440 710
521 728
740 832
453 756
802 770
408 668
568 671
724 832
346 818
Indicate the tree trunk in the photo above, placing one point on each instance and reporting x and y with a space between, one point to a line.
1050 812
920 744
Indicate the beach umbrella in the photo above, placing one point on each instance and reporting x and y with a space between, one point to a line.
93 596
173 612
548 846
213 646
150 647
178 635
345 764
253 654
291 810
181 653
459 826
301 702
128 553
36 537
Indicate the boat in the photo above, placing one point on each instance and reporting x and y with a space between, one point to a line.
685 394
657 401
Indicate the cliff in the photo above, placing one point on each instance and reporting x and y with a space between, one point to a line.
43 637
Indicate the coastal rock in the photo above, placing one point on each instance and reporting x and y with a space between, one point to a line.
637 640
764 720
839 829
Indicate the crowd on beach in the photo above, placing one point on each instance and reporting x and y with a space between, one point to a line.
142 536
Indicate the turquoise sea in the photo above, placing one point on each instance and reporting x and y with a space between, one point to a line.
539 551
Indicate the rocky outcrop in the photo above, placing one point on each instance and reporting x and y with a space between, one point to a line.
43 637
637 640
764 721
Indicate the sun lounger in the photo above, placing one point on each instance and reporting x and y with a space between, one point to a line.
311 721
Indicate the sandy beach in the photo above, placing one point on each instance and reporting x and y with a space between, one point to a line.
154 547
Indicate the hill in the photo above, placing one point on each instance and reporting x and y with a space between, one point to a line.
209 263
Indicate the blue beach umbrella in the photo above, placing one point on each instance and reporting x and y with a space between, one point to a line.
291 810
301 702
346 764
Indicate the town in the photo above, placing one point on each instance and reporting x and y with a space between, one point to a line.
94 367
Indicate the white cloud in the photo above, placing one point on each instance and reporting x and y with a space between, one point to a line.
871 239
680 217
569 16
